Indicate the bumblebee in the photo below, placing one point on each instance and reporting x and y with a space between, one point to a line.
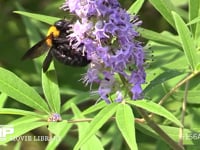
59 46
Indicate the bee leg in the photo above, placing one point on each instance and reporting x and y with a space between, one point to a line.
47 61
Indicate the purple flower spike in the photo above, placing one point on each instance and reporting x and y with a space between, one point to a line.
108 34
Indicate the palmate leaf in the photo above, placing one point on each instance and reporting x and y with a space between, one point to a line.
14 87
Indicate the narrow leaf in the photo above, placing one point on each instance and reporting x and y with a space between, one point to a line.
14 87
20 127
51 90
125 121
187 41
135 7
164 7
189 136
99 120
194 6
31 28
3 98
60 129
192 97
95 107
194 21
12 111
162 39
82 97
156 109
163 77
93 142
42 18
24 120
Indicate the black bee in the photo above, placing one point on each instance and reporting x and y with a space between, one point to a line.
59 47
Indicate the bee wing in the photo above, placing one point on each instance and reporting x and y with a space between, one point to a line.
37 50
47 61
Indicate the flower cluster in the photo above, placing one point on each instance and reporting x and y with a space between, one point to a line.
108 34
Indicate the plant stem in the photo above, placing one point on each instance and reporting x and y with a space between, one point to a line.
183 113
177 86
158 130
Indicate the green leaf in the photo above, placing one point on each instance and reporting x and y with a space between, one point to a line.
195 20
31 28
18 146
3 98
163 77
192 97
42 18
162 39
164 7
25 119
187 41
22 126
60 129
107 139
14 87
72 92
99 120
51 90
135 7
82 97
179 3
12 111
93 142
190 137
94 108
194 6
125 121
156 109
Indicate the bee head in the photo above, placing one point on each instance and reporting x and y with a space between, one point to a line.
62 24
